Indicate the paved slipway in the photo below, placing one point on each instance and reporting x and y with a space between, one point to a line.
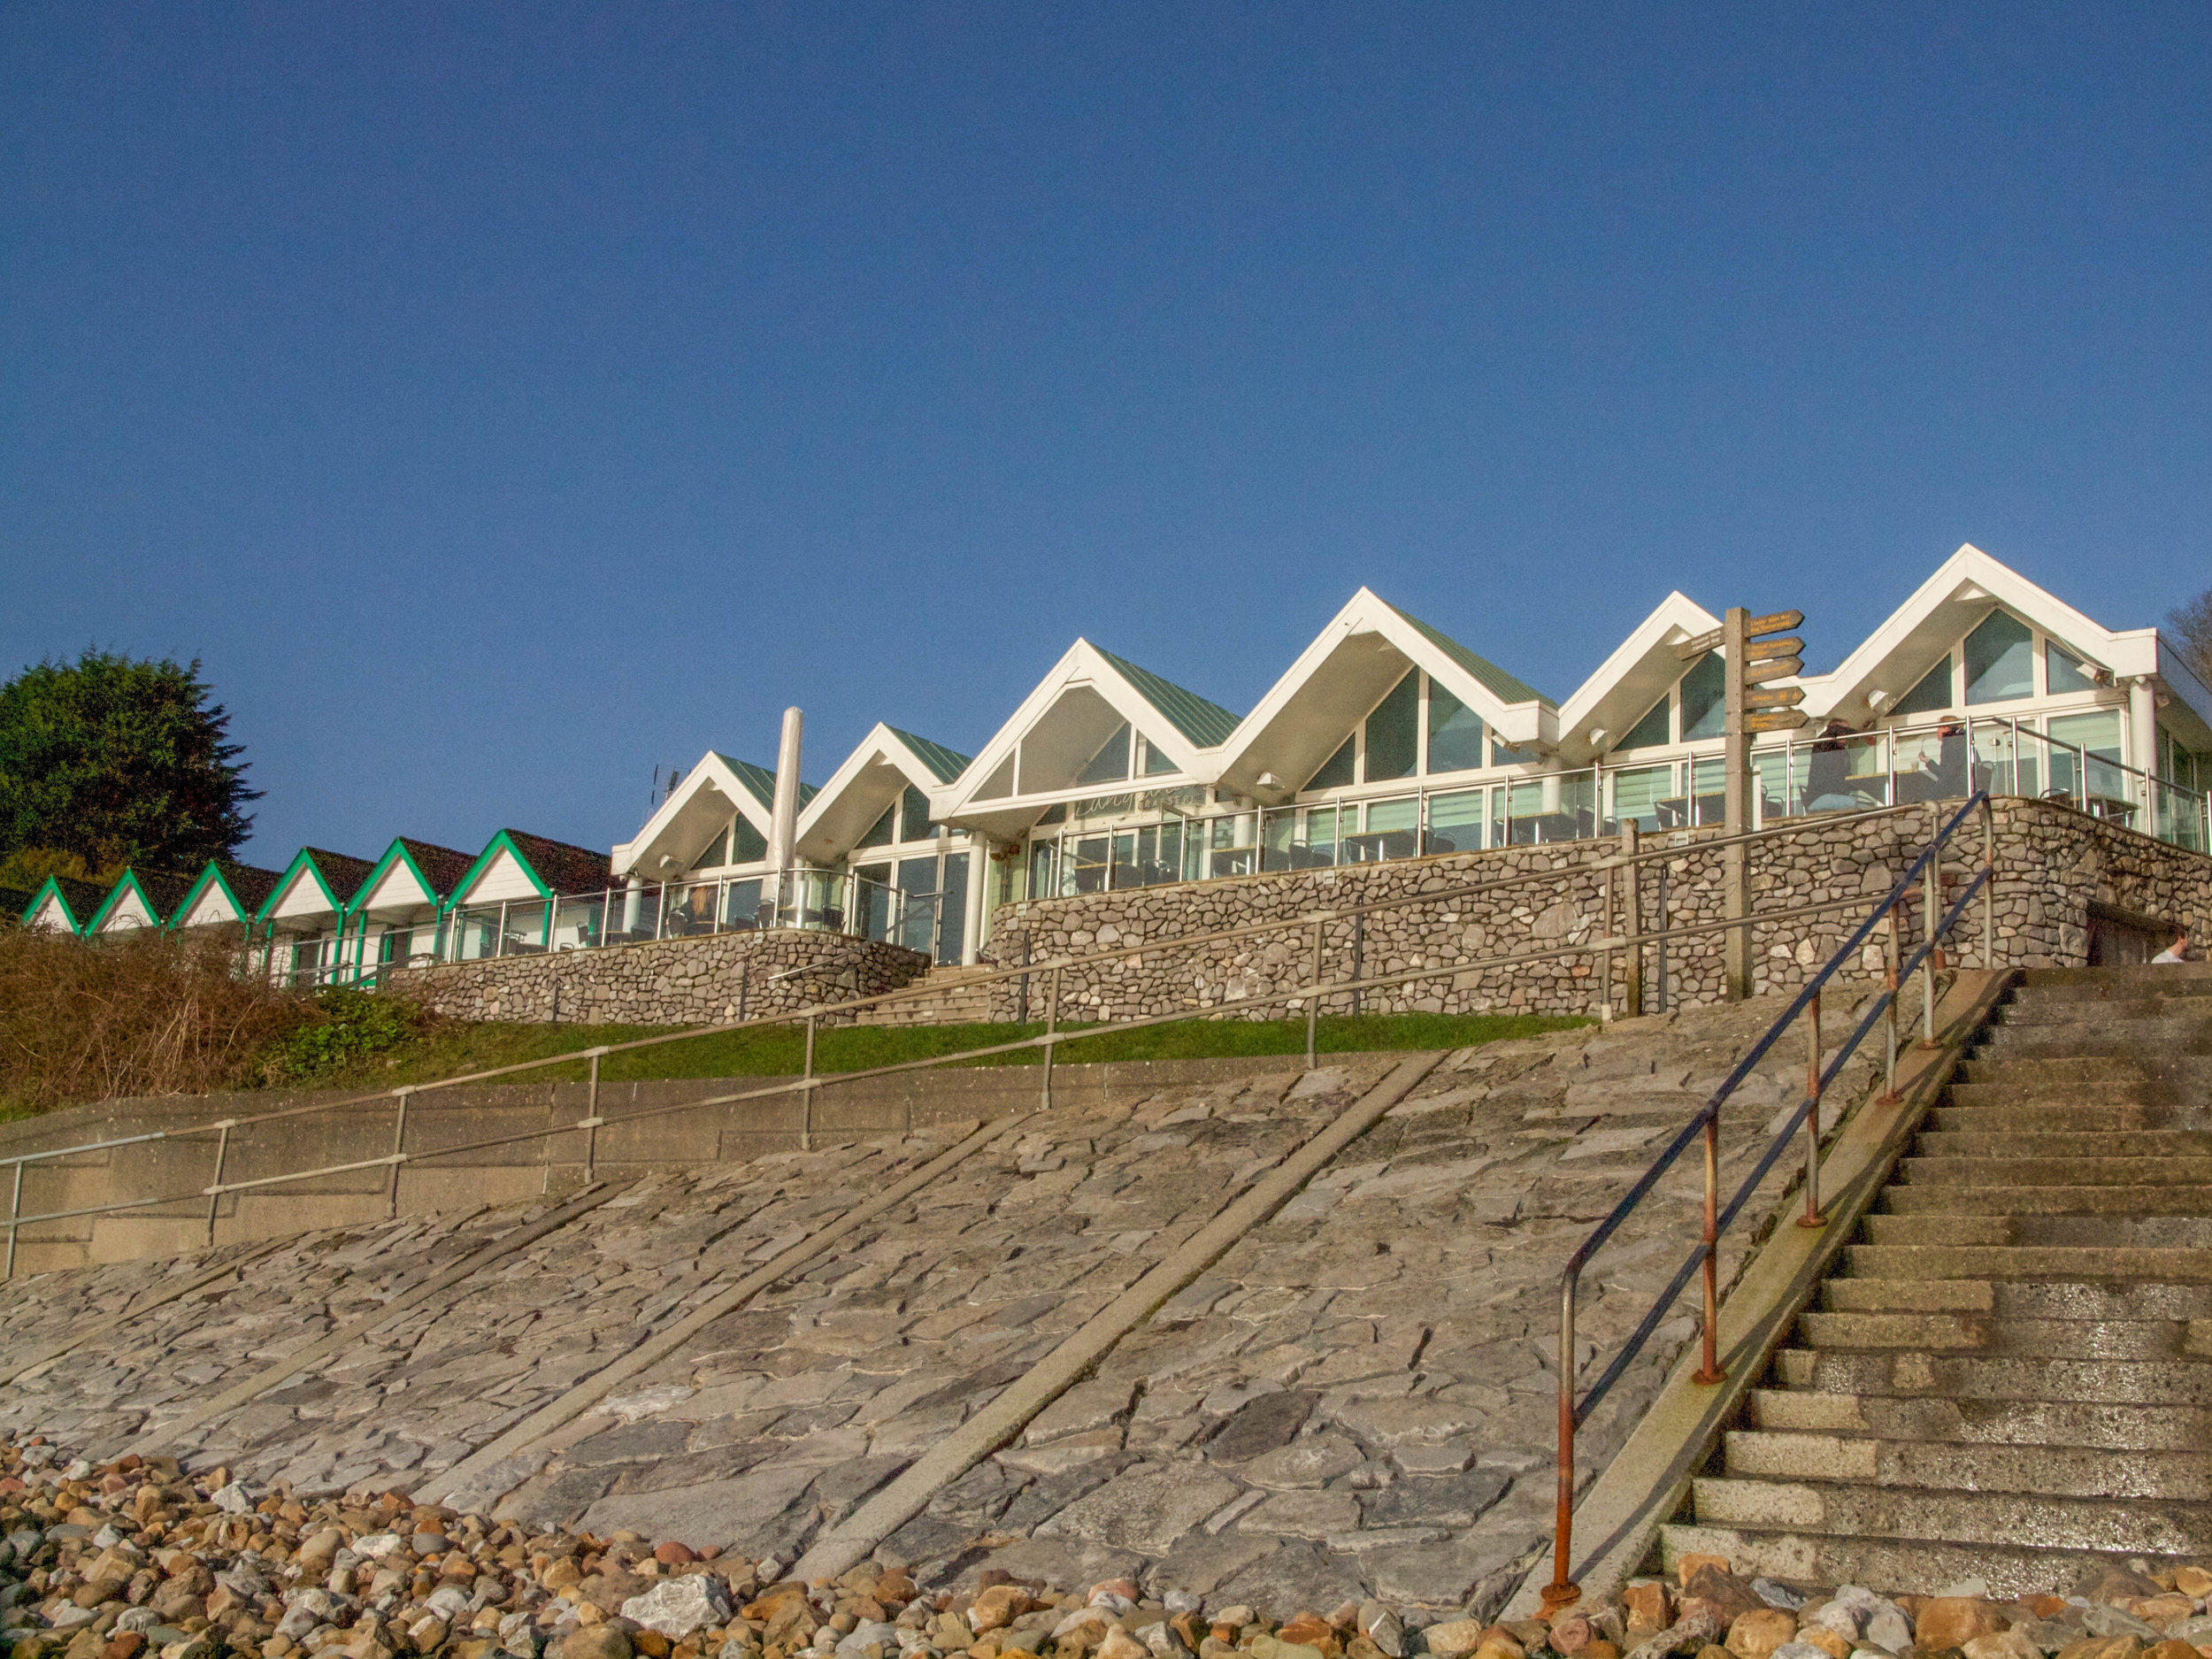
1353 1402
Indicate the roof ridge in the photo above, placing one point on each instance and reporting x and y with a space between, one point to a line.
1506 686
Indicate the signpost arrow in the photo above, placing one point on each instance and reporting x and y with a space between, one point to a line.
1773 650
1781 668
1697 645
1776 720
1775 623
1773 696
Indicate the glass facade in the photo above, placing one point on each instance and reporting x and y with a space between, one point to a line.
2000 660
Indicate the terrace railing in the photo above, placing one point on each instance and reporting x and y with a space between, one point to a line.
1610 946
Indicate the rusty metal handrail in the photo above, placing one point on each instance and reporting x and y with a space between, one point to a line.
1705 1126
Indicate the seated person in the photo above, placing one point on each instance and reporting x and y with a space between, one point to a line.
1828 774
1948 772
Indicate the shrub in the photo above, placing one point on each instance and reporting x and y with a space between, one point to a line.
343 1029
138 1013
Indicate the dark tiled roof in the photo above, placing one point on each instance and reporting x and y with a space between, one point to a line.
83 898
343 875
944 763
249 884
443 867
1206 723
561 866
165 891
1493 678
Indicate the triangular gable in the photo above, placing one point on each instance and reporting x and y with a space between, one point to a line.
1640 670
316 883
518 865
879 771
1352 664
1953 602
137 901
64 903
697 810
411 875
225 894
1072 709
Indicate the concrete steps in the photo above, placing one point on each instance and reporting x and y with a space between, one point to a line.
2010 1366
945 998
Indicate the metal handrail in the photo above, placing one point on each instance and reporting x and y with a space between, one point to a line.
1705 1126
1310 993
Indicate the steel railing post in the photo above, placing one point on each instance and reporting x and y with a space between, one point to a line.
591 1126
1563 1590
215 1186
1931 914
1659 949
806 1095
1632 905
1052 1025
1812 1217
1605 956
1989 883
15 1210
1709 1372
1359 956
1889 1020
399 1146
1313 997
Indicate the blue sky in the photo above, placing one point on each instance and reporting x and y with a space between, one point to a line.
503 400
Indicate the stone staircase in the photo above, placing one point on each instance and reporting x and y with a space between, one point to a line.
948 997
2010 1367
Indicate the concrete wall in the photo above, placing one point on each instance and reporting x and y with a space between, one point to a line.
355 1129
2052 862
667 982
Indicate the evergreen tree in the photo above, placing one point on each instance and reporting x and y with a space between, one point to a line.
114 761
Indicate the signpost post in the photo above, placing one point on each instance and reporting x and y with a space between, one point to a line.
1752 706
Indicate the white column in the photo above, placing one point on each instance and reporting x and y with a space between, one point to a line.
978 875
2143 726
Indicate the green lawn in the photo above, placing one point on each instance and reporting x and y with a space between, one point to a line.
780 1051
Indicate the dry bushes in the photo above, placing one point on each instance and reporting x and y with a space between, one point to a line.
137 1013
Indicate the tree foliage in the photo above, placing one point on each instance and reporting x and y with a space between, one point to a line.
118 761
2193 622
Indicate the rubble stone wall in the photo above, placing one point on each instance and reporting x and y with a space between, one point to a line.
2052 862
667 981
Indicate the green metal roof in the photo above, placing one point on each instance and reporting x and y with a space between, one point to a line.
1493 678
1206 723
761 783
944 763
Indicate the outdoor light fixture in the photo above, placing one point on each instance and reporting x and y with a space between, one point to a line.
1598 735
1878 701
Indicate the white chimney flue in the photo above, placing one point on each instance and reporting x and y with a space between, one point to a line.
783 823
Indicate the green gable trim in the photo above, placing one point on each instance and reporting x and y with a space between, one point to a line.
214 873
502 842
396 852
309 859
52 884
130 883
1206 723
1487 674
944 763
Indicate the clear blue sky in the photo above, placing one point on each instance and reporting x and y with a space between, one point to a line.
501 399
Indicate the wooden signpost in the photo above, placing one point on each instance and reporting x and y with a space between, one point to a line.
1752 657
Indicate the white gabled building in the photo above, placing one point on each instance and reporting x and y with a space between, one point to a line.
905 876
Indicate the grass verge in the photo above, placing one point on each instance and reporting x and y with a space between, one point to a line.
780 1051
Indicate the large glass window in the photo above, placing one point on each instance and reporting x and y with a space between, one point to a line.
952 926
748 845
1652 730
914 824
2094 772
1705 698
1455 732
1157 763
2064 671
1640 793
1110 764
1932 693
884 831
2000 660
1319 824
1392 730
917 908
1336 772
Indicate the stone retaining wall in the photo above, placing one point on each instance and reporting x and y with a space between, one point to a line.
667 981
2052 862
